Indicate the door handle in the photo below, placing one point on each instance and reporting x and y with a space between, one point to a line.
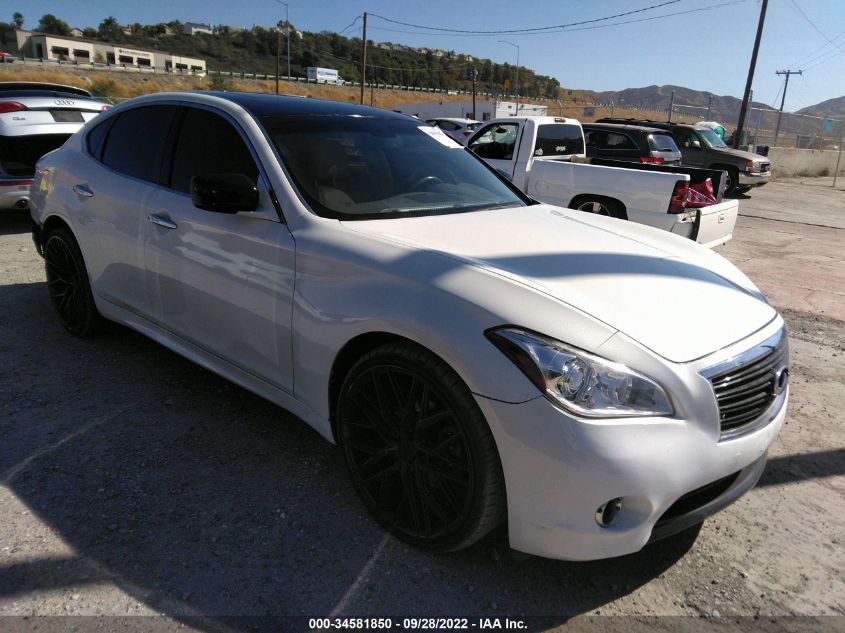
83 190
162 221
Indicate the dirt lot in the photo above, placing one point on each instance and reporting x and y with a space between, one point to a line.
133 482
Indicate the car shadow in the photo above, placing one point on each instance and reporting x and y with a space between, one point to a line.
205 502
14 221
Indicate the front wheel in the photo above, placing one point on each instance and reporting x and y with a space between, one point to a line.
68 286
418 449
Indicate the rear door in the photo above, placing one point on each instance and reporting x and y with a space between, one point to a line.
223 282
112 189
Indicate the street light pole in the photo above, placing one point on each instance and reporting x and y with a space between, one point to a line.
287 30
517 72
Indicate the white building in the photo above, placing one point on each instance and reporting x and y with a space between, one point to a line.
192 28
80 50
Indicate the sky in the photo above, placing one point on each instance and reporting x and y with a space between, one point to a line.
708 47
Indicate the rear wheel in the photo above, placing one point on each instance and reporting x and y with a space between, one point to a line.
601 206
67 284
419 450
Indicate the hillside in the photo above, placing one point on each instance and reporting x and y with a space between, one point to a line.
724 108
834 108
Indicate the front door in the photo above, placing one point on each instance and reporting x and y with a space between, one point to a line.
496 144
224 282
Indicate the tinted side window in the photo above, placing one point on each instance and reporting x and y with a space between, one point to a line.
135 141
208 144
616 140
96 137
662 143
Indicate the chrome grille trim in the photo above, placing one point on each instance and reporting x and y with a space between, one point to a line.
745 386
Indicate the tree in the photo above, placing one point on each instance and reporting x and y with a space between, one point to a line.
51 24
17 18
110 30
89 32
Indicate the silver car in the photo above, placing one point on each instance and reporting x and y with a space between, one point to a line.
457 129
36 118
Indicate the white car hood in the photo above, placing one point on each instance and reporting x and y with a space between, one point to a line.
673 296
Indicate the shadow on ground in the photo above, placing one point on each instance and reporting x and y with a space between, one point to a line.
14 222
204 501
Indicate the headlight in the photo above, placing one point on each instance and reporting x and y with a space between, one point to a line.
581 383
751 166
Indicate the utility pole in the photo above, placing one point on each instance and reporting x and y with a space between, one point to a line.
709 106
671 105
746 98
278 55
364 58
287 30
372 82
474 77
783 98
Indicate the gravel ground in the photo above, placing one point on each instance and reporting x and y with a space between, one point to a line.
133 482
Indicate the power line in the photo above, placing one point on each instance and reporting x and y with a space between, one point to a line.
528 30
810 57
818 30
567 30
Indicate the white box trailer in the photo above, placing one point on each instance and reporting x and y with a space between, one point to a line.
484 110
324 75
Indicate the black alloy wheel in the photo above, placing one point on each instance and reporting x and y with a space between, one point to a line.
418 450
67 284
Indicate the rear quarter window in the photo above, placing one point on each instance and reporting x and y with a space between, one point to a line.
97 136
662 143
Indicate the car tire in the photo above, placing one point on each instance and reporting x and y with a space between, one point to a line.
601 206
418 449
68 285
732 185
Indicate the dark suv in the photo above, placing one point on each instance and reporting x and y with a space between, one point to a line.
634 143
701 147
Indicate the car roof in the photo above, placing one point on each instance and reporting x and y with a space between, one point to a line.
17 86
262 104
627 126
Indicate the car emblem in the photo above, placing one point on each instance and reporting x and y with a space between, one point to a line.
63 102
781 381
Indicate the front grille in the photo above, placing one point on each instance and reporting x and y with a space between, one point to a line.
765 167
745 391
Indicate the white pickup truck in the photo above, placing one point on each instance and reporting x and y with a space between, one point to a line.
544 157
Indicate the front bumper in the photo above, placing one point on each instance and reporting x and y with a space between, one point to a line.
753 179
559 470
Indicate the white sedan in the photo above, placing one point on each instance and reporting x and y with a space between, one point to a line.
457 129
478 357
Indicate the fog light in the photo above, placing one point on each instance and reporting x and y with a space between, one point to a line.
607 512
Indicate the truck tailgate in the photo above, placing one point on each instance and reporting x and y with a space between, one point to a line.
715 224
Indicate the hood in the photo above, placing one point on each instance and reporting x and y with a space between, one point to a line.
676 298
739 153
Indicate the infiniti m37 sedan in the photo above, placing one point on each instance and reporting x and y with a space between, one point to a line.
478 357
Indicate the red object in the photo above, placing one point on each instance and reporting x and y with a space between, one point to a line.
678 202
11 106
701 195
651 160
12 183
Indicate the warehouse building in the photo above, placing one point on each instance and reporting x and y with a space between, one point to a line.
75 49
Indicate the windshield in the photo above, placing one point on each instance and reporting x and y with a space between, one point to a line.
355 168
711 139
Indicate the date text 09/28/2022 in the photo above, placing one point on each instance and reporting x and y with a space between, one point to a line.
414 624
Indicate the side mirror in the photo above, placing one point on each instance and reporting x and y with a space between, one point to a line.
696 144
224 193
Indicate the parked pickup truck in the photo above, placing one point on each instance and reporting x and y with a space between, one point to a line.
544 157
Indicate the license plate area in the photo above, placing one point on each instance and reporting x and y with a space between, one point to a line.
67 116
